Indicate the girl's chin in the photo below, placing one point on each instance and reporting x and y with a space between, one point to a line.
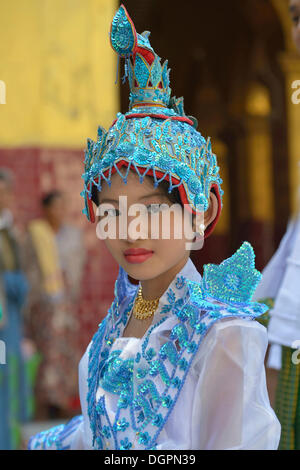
141 271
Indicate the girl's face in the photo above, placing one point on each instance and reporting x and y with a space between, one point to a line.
295 16
154 230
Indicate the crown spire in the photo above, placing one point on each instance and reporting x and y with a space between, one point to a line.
148 79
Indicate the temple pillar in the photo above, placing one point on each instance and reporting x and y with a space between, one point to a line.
290 63
259 167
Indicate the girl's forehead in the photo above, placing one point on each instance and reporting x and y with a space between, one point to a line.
132 187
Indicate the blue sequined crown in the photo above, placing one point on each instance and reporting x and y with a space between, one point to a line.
155 136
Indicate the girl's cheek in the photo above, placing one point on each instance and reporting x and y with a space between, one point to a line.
110 243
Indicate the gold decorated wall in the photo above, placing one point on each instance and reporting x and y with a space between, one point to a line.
59 71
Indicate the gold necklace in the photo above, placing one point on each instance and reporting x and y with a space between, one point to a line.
142 308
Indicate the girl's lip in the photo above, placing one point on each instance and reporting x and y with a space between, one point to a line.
135 259
137 252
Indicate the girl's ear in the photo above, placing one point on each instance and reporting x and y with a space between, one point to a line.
210 214
212 211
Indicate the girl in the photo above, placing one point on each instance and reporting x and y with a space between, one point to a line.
177 363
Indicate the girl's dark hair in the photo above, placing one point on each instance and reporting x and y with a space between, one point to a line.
48 198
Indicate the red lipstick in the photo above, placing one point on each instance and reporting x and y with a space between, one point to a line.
137 255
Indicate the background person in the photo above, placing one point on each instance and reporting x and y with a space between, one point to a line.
54 260
13 289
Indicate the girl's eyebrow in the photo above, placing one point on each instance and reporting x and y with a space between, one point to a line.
293 8
108 200
142 197
153 194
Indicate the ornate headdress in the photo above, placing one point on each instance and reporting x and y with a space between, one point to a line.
154 137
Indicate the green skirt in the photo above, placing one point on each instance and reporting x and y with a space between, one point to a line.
287 400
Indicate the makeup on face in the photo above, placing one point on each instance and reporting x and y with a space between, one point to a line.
137 255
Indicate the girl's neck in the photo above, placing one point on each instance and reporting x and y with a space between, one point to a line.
154 288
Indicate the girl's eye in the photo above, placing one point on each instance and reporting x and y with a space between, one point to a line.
112 212
154 208
295 20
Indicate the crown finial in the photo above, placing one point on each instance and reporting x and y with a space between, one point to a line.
148 79
123 36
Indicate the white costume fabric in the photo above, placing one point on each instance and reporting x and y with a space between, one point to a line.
223 403
281 281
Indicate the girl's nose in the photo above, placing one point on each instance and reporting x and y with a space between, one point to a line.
137 228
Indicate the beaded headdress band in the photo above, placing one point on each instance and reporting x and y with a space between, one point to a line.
154 137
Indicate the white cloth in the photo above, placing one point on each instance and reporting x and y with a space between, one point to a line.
275 357
223 403
281 281
274 272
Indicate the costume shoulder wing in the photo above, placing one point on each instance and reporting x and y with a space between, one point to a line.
228 288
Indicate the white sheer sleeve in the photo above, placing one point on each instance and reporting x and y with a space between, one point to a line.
231 408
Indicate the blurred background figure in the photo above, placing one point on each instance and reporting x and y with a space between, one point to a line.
280 288
13 288
295 16
53 258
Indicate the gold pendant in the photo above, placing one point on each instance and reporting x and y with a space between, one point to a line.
142 308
